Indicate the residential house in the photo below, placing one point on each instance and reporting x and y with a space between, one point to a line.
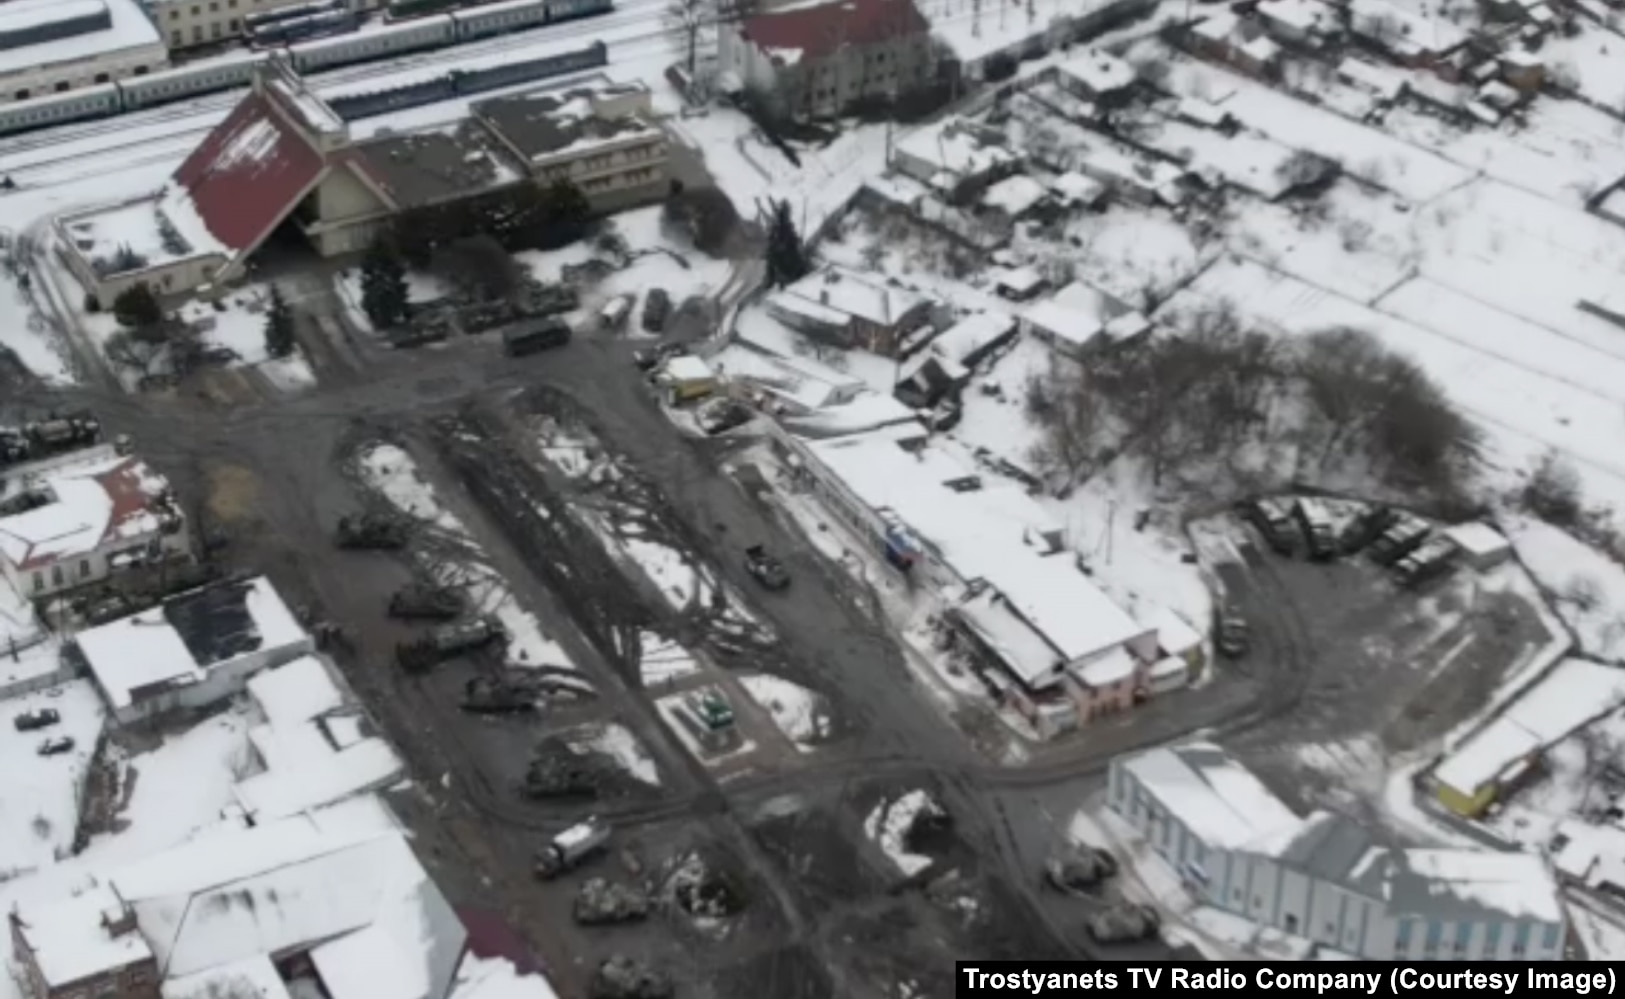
1080 319
821 59
848 309
1405 34
1305 23
79 519
1097 76
1325 878
1015 198
1225 37
82 947
954 157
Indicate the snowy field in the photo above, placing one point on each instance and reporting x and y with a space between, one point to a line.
393 474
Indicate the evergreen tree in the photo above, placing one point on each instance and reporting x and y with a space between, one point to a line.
136 307
278 326
384 294
786 257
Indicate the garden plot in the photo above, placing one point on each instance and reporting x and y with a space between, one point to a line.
615 742
801 714
458 561
1585 586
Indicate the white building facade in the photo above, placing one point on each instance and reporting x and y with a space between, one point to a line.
1322 878
49 47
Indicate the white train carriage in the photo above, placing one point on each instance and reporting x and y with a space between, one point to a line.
75 105
189 81
413 36
493 19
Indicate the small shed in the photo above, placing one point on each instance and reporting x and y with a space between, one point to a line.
1020 284
1481 546
1074 190
687 377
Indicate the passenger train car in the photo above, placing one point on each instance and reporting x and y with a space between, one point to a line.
153 89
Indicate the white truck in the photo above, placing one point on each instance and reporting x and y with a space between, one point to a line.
571 847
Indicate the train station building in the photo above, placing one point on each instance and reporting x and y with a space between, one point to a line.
284 161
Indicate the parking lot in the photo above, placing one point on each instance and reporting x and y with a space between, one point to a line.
1384 670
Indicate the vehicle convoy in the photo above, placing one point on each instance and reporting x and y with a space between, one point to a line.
1123 923
571 848
765 569
1367 527
235 71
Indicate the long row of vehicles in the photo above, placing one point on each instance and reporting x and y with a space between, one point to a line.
164 87
1391 538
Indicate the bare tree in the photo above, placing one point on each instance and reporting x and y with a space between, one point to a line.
1553 491
1072 415
1336 370
686 19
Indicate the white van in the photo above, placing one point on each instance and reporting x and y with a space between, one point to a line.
613 316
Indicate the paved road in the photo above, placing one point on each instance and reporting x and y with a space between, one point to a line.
1008 812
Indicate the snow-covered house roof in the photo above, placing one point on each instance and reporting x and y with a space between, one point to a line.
1216 26
36 34
1478 540
968 339
175 644
1074 188
339 882
1403 29
1298 17
1075 314
1014 196
849 294
951 152
295 692
251 978
1175 635
76 938
1212 794
983 529
1098 72
106 501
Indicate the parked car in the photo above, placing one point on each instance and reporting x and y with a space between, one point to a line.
656 310
766 569
55 745
1124 924
31 721
1231 635
650 358
1270 516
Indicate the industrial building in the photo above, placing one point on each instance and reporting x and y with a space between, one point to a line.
49 47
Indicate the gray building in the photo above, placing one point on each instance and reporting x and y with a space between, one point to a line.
1240 849
819 60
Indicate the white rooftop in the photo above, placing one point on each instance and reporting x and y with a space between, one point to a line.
71 940
1100 72
1518 885
848 293
1308 16
1212 794
1478 539
130 28
1575 692
146 650
1014 195
986 533
296 692
952 148
1074 187
251 978
972 334
310 771
1068 323
687 368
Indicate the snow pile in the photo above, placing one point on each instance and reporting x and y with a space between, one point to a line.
664 662
798 712
667 569
617 742
1587 588
391 472
893 821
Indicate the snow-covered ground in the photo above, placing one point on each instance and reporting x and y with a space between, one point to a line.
39 795
889 824
663 661
1587 588
800 714
392 472
616 742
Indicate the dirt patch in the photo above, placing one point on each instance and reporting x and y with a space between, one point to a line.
786 973
818 860
234 493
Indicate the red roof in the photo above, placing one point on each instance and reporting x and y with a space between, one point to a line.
826 28
248 173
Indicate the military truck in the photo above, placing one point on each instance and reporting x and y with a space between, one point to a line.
1405 536
1318 532
62 433
1367 527
1431 561
371 531
419 602
571 848
1269 514
448 641
1124 923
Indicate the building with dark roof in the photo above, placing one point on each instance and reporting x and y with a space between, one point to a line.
283 158
820 59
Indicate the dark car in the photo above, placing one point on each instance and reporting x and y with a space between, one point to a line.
535 335
30 721
649 358
656 310
56 745
766 569
1231 635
